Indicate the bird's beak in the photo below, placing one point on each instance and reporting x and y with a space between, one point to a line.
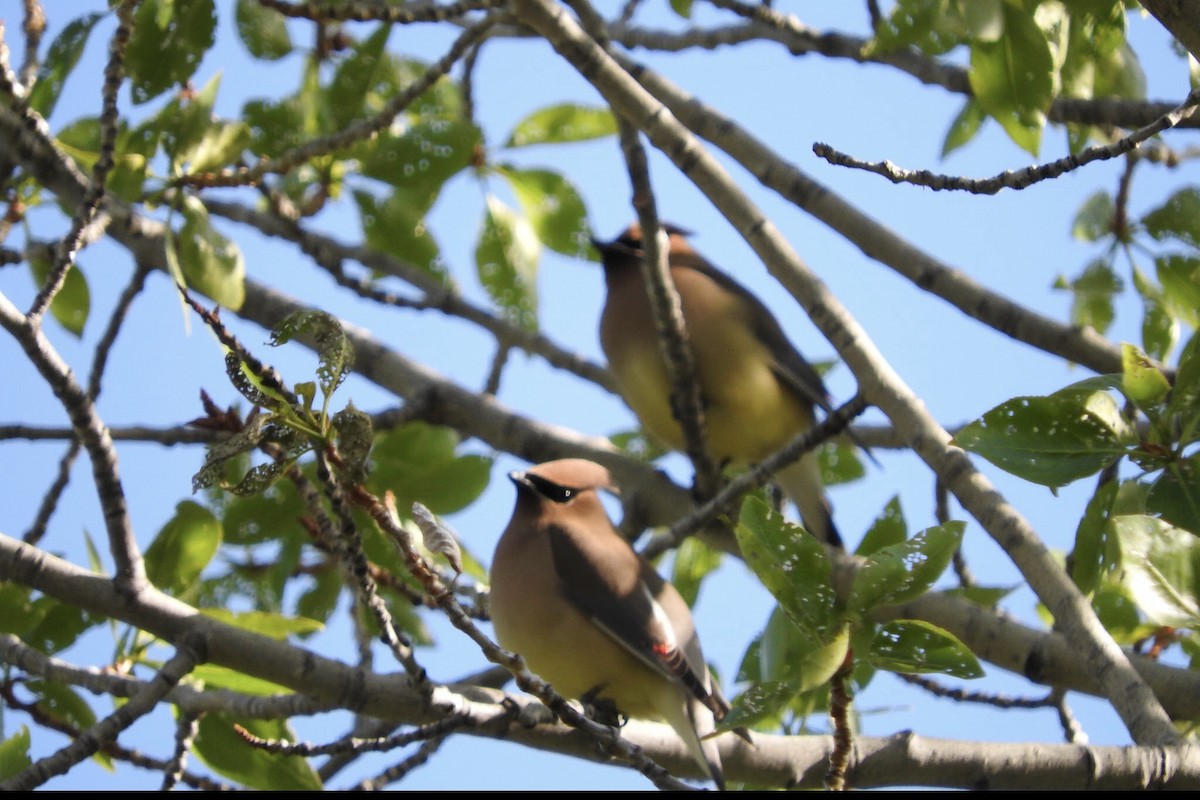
615 248
520 479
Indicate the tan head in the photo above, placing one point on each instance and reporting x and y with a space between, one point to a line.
561 480
629 243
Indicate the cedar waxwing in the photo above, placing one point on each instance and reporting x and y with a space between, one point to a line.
591 617
758 391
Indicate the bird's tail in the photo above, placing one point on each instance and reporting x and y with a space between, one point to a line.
693 721
801 482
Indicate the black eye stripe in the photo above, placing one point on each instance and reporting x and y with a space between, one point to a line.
551 490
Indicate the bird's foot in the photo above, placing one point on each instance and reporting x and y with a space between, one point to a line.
602 709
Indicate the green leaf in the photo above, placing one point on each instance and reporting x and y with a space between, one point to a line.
63 703
58 625
694 560
1178 218
183 548
792 565
1160 569
320 600
335 351
217 677
397 227
759 702
506 257
1087 560
1180 279
1050 440
1093 291
210 263
420 161
1119 614
839 463
1175 494
889 528
265 623
358 75
786 653
964 127
81 140
553 208
187 126
1013 77
905 571
921 24
263 517
682 7
169 40
73 301
565 122
276 127
1184 405
61 59
419 462
1160 330
14 753
262 30
1094 220
1142 382
910 645
218 746
19 615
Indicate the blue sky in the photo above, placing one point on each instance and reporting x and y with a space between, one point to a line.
1015 243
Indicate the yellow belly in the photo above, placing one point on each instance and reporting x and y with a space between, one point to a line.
748 413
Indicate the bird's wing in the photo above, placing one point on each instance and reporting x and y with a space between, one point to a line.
618 592
788 364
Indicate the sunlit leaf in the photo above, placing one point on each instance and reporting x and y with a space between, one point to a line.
1089 554
397 227
1161 569
1012 77
262 30
220 747
1050 440
565 122
964 127
1178 218
506 258
889 528
169 40
553 208
1160 329
60 60
1175 494
905 571
73 300
419 462
1093 292
1142 382
356 76
792 565
183 548
1180 279
1094 220
211 263
693 561
14 753
910 645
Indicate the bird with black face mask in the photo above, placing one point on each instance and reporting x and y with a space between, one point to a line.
591 617
758 392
